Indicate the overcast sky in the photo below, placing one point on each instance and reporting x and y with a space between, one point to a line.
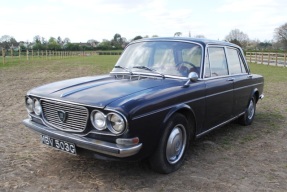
81 20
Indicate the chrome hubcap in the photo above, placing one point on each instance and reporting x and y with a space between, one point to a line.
176 144
250 110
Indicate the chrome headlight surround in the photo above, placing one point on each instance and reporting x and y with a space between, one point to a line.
116 123
37 108
98 120
29 104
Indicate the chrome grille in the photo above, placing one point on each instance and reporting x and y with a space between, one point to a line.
77 116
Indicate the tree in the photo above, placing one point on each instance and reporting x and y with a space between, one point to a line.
137 38
59 40
53 44
281 35
154 36
178 34
7 41
199 36
237 36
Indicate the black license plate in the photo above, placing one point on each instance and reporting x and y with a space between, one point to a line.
59 144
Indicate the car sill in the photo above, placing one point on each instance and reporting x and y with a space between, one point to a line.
221 124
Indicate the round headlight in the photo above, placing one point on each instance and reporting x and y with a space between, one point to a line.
29 104
98 120
116 123
37 107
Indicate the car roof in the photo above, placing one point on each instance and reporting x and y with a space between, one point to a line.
201 41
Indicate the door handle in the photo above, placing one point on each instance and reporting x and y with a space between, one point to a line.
230 79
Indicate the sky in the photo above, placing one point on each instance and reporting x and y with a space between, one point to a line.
81 20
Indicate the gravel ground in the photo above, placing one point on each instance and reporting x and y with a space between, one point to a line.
232 158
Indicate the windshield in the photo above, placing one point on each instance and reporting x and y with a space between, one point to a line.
164 58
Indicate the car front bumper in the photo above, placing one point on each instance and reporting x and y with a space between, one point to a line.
95 145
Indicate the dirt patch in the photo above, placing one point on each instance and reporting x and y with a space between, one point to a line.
233 158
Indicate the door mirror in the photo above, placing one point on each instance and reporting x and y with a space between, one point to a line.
193 76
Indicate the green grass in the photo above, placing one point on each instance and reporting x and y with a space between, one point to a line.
270 73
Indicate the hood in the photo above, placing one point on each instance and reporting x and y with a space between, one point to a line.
96 91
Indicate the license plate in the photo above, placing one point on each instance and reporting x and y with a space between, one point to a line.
59 144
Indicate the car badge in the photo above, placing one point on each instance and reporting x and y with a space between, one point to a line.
63 116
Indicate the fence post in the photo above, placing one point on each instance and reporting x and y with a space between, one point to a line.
285 60
256 57
27 53
3 55
276 58
12 53
268 58
19 52
261 57
250 54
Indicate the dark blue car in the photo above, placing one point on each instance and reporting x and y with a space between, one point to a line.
161 95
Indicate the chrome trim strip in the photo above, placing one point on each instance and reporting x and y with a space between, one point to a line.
68 102
221 124
95 145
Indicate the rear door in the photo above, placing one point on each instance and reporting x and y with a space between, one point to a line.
241 79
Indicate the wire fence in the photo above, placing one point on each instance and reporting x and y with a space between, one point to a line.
29 55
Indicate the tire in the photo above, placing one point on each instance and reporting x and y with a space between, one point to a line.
249 114
172 147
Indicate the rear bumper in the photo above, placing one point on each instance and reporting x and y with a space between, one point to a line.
103 147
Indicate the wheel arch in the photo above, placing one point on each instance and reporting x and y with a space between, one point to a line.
255 93
189 114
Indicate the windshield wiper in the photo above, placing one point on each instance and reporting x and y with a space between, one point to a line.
124 68
149 69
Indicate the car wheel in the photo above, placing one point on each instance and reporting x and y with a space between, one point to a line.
172 147
249 114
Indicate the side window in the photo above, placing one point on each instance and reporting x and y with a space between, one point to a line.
234 63
217 59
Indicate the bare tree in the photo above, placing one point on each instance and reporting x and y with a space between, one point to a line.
238 37
280 35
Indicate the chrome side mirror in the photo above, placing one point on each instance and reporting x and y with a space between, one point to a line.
193 76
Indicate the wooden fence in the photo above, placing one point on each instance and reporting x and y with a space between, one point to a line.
276 59
49 54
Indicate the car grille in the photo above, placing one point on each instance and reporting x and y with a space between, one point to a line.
76 116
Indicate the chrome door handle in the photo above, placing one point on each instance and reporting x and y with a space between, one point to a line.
230 79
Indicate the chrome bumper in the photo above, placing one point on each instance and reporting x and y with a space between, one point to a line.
85 143
261 96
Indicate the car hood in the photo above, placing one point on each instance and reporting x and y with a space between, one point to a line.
96 91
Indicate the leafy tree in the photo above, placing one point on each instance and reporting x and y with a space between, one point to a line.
236 35
59 40
53 44
7 41
280 35
137 38
178 34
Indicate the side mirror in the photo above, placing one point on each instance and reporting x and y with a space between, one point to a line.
193 76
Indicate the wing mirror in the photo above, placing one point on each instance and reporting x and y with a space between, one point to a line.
192 76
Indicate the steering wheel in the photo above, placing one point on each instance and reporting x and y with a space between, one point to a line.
185 70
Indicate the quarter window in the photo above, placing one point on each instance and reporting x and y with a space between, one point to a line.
234 63
217 59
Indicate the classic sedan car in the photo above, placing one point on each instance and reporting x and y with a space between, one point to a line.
162 94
